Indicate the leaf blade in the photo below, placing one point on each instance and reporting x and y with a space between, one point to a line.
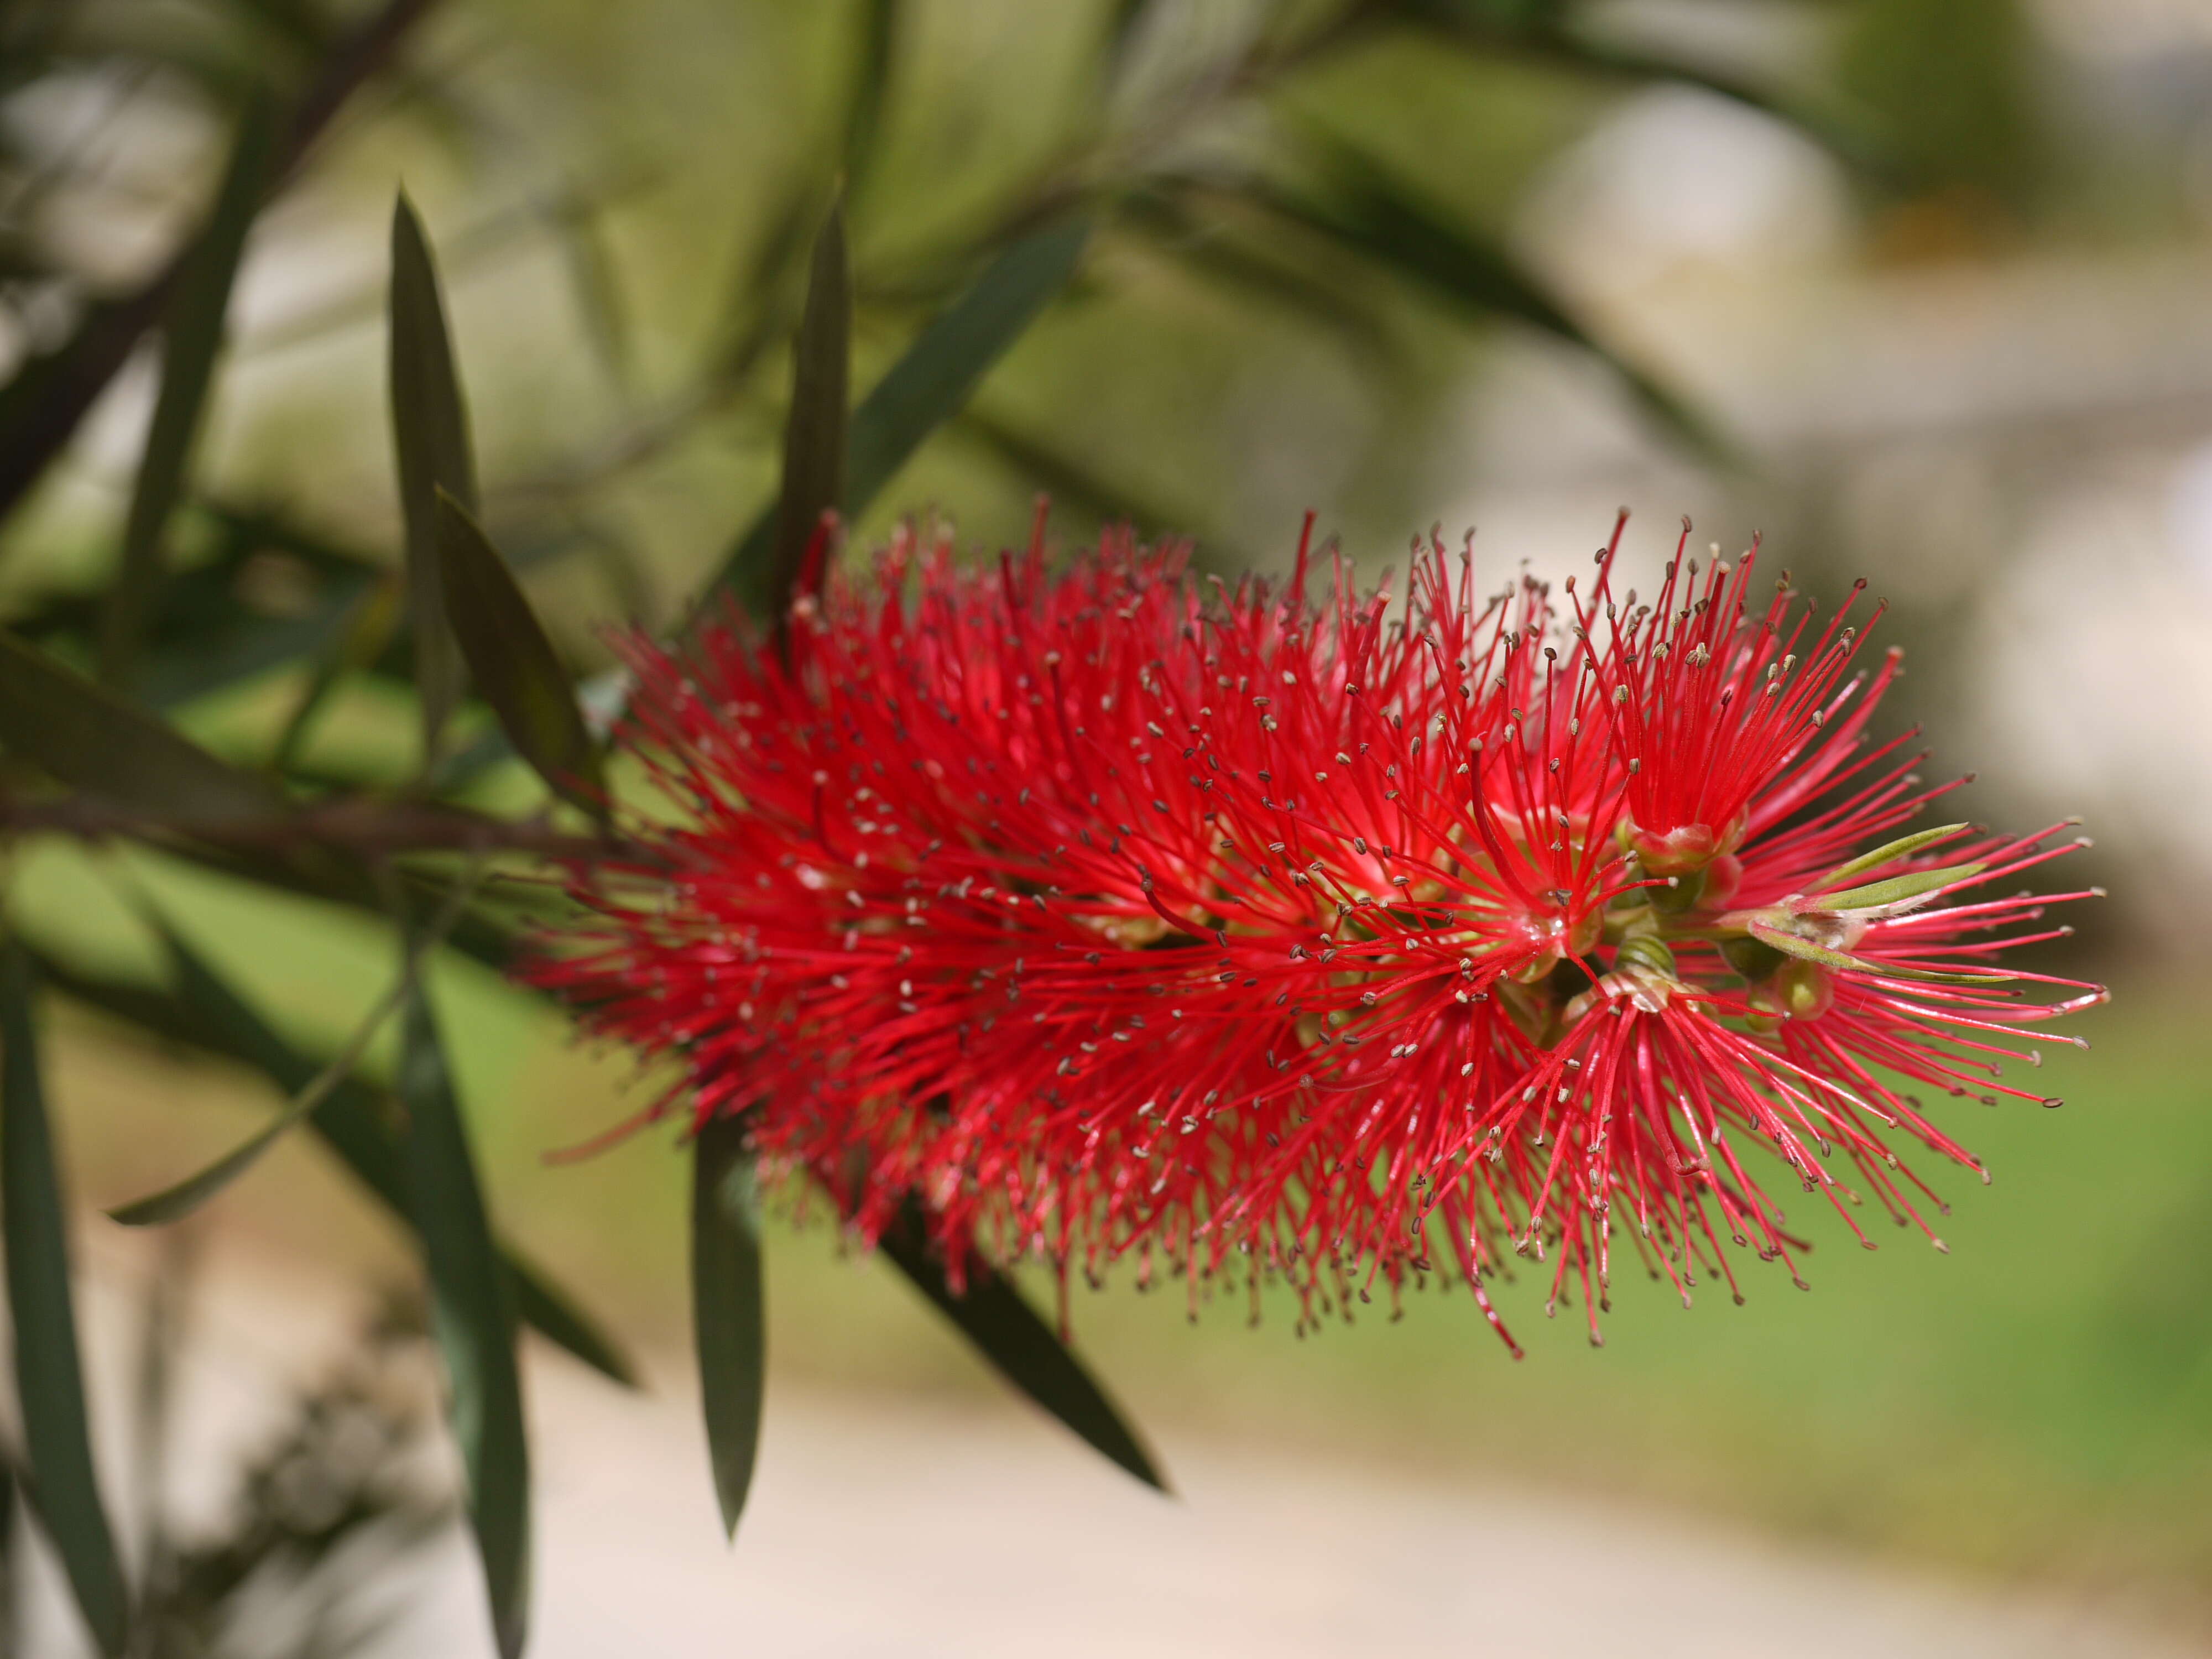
993 1316
932 380
49 1375
473 1312
1903 848
207 1014
512 662
179 1200
193 334
726 1308
95 741
1899 890
814 433
430 441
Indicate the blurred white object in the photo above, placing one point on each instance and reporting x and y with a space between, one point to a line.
1678 176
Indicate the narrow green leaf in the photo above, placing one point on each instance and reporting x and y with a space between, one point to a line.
1897 890
513 663
49 1378
430 436
1904 848
991 1314
473 1310
192 333
355 1119
574 219
175 1202
813 433
725 1307
1258 269
1374 217
1790 945
930 383
872 74
365 627
95 741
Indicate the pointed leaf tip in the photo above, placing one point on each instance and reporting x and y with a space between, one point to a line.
512 662
992 1314
726 1306
431 439
925 388
1903 848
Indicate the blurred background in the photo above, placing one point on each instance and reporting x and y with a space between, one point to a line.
1919 290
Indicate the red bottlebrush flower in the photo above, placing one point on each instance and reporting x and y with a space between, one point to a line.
1110 913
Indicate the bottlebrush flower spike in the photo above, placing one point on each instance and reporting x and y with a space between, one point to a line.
1267 938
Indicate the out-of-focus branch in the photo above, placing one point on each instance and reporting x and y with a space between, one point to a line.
373 828
42 409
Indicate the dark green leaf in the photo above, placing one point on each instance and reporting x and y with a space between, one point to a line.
49 1379
725 1307
368 622
174 1203
430 434
355 1120
1376 218
512 662
991 1314
473 1311
95 741
930 383
813 435
193 335
934 379
1255 269
864 107
575 220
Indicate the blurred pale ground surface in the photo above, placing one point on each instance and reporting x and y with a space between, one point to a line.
881 1527
2022 447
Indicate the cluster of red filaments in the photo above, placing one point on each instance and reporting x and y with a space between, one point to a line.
1262 936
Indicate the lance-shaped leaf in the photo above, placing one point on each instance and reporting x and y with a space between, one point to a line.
725 1307
768 568
473 1311
1904 848
1795 944
179 1200
193 337
93 740
932 380
430 436
871 75
1373 216
991 1314
355 1120
1894 892
513 663
49 1378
